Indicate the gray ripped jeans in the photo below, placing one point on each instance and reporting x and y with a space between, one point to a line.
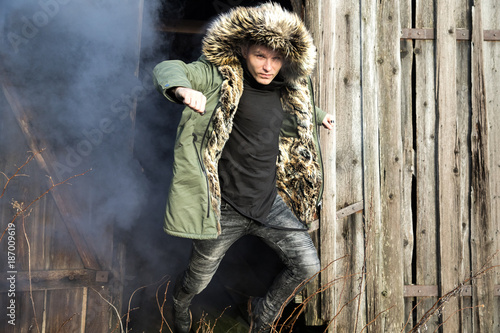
294 247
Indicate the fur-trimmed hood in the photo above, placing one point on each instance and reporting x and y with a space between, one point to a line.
269 25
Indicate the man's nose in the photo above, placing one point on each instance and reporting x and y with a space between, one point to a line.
267 65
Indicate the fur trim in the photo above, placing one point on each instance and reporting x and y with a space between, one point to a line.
269 25
299 176
222 121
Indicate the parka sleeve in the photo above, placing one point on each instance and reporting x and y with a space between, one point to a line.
320 115
197 75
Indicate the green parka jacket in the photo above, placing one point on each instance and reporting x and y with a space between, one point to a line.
193 205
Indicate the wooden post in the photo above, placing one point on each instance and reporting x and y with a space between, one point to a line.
447 168
462 157
385 263
348 299
426 195
371 149
408 152
320 20
483 231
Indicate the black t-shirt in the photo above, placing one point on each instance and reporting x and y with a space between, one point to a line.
247 167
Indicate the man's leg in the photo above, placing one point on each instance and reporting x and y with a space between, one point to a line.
298 253
206 256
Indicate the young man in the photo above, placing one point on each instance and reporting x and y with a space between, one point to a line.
246 157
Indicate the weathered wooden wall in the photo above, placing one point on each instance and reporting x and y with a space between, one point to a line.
67 270
414 87
58 267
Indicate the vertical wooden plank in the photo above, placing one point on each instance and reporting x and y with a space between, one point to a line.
64 310
409 153
320 20
447 168
426 164
463 20
491 57
348 233
371 149
25 320
98 312
385 264
313 309
483 229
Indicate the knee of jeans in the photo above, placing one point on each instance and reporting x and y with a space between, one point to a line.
310 270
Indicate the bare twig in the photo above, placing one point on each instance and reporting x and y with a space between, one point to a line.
376 317
16 174
131 296
29 275
413 309
160 307
38 198
299 287
363 276
293 317
340 297
66 321
454 313
204 325
128 309
112 306
439 304
119 321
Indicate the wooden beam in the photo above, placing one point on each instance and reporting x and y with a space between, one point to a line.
351 209
184 26
63 198
461 34
432 291
55 279
341 213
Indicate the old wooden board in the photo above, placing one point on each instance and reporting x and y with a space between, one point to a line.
64 310
447 169
462 156
348 298
491 58
483 238
385 274
320 18
408 153
25 320
371 148
426 187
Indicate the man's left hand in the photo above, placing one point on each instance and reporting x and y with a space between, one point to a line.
328 121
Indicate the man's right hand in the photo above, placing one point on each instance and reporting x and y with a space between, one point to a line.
192 98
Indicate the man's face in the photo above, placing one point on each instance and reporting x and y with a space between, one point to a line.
262 62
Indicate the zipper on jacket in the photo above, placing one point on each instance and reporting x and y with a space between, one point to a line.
202 166
209 122
199 154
